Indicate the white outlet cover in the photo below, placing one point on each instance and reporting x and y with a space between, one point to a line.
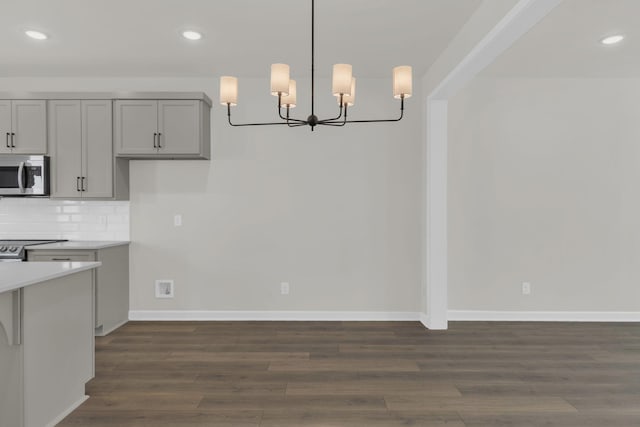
526 288
164 288
284 288
177 220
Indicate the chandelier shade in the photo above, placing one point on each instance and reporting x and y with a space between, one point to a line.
402 82
279 79
343 87
228 90
289 100
349 99
341 84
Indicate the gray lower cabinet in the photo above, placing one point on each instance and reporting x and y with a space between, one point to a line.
162 129
23 126
111 281
81 148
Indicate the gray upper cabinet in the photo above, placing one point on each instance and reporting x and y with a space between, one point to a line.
136 127
162 129
65 135
23 126
81 146
179 126
97 149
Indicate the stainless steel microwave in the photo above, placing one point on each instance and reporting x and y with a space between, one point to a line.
24 175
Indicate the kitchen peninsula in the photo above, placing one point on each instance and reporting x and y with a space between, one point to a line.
46 340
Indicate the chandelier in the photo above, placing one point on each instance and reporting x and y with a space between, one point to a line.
343 88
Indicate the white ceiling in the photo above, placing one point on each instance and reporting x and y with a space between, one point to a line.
241 37
566 43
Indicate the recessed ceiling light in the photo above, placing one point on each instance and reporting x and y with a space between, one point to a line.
191 35
612 39
36 35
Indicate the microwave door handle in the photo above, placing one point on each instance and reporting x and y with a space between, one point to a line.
21 176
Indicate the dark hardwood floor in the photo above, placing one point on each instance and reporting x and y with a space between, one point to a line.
379 374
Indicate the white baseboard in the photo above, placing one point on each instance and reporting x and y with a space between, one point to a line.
544 316
453 315
177 315
67 411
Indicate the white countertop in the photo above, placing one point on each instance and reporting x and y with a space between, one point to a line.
79 245
15 275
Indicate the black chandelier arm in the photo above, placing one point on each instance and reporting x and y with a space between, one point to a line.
293 122
377 121
296 122
339 115
383 120
288 118
335 122
338 122
295 125
249 124
334 118
256 124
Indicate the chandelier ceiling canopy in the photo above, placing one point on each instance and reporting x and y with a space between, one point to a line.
343 88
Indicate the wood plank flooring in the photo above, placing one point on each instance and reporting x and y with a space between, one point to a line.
379 374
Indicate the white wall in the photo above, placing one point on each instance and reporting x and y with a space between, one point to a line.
543 187
336 213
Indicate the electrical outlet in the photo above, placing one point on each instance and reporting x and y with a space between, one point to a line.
164 288
177 220
526 288
284 288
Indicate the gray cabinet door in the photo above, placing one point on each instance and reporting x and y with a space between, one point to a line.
179 127
136 126
81 149
97 149
65 137
29 124
5 126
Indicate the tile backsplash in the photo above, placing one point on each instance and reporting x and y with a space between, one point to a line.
31 218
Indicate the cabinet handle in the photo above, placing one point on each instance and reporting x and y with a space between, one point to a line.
8 146
60 259
78 183
155 134
13 140
159 136
82 178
